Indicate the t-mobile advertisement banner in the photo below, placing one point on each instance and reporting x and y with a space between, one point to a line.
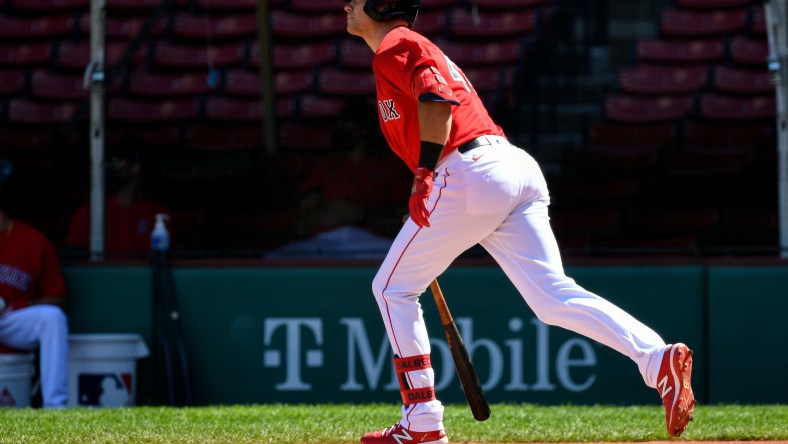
315 335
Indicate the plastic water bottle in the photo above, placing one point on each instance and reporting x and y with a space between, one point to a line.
160 237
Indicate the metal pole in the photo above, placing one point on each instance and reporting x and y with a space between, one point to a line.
266 75
95 75
778 53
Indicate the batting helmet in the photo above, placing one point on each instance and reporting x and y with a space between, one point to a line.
384 10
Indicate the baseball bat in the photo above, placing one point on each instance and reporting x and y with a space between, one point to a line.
462 360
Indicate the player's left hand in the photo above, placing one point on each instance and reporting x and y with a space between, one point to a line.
419 195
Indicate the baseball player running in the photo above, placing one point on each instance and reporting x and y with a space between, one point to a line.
472 186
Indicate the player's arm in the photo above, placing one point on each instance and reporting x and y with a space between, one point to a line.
435 99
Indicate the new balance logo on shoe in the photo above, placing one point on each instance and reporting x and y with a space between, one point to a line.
404 436
397 434
663 387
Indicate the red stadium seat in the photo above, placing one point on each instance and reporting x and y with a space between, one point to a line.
234 5
491 25
223 138
26 139
167 86
287 25
25 55
680 51
331 81
197 26
314 107
467 54
139 111
489 79
355 53
247 83
314 6
12 82
703 133
431 22
649 79
298 136
35 28
748 51
608 134
712 4
49 6
46 85
24 111
132 6
630 108
71 55
511 5
296 56
682 23
716 106
172 56
124 28
233 109
742 81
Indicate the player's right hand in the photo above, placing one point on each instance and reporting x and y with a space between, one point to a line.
419 195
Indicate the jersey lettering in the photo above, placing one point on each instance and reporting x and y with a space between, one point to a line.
457 75
14 277
387 111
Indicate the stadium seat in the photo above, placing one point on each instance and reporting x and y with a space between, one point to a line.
757 27
478 54
124 28
332 81
12 82
25 55
490 79
309 27
704 133
296 56
665 80
167 86
749 51
188 57
691 24
141 7
140 111
510 5
222 138
742 81
631 108
189 26
308 106
305 137
231 6
241 82
233 109
314 6
609 134
35 28
714 160
160 135
75 56
25 111
712 4
49 6
354 53
46 85
685 52
491 25
728 107
432 23
26 139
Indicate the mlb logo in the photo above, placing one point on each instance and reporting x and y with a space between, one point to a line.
104 389
7 398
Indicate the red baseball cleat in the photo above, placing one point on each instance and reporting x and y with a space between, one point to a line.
675 389
397 434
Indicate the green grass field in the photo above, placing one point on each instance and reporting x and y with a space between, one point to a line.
509 423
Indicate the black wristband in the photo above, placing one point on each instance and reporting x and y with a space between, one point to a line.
430 154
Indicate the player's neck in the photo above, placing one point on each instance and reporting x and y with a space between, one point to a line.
375 38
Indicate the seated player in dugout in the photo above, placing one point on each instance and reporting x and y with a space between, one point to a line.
361 183
472 186
129 214
32 293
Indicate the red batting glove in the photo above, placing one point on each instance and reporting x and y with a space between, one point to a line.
419 195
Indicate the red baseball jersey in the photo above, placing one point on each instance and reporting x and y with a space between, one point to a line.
29 268
127 229
401 52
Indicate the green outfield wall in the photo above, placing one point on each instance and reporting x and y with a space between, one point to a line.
313 334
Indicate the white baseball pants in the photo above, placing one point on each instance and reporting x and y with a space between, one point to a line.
44 327
495 195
